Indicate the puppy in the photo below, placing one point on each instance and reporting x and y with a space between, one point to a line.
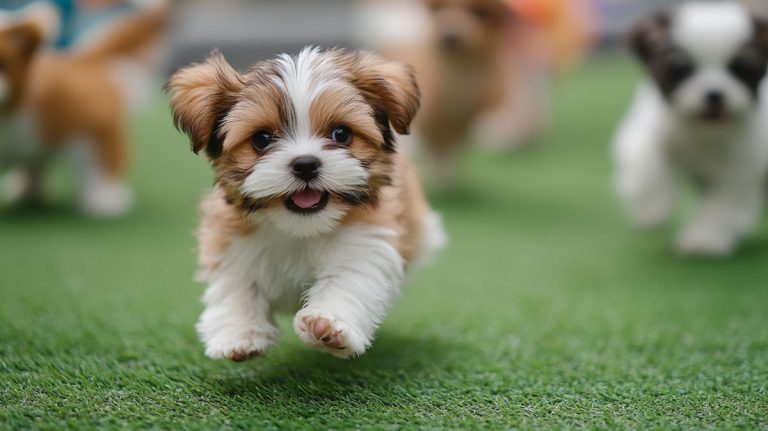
465 74
701 116
460 51
313 204
465 77
74 102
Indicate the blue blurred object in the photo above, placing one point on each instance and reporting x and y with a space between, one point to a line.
75 19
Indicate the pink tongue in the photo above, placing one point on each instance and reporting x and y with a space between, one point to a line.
307 198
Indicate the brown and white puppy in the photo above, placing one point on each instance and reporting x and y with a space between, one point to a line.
70 102
313 204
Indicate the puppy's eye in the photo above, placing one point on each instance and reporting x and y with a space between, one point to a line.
678 66
342 135
261 140
748 66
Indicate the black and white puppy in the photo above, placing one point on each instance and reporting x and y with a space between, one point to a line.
701 116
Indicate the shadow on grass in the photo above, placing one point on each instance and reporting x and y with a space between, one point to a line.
461 196
749 252
59 218
309 376
37 210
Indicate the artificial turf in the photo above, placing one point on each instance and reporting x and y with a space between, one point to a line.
546 311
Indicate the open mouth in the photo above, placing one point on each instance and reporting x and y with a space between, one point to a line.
307 201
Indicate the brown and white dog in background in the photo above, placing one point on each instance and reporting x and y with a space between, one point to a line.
314 205
461 51
74 102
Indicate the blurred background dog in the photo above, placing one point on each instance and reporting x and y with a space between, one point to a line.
73 100
701 115
484 66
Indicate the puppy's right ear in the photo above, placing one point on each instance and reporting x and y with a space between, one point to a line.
201 96
649 34
27 37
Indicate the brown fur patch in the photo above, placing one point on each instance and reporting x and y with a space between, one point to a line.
343 105
220 223
401 207
74 99
202 94
388 86
18 45
260 108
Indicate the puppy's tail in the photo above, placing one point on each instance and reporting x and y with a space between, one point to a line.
128 36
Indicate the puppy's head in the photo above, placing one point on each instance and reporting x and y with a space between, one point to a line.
466 27
708 59
298 141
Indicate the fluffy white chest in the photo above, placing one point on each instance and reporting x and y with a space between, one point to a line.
279 266
708 155
20 141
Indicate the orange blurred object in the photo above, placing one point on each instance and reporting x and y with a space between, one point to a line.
535 11
566 27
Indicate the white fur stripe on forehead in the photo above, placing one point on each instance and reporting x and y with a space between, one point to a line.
302 79
707 29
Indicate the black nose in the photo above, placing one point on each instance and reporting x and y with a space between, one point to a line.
715 99
451 41
305 167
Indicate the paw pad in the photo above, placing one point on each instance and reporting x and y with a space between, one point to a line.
323 332
239 356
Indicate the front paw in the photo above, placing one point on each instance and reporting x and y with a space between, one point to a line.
698 241
106 199
651 212
16 187
650 216
238 345
323 331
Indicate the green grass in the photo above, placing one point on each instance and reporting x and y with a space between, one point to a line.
547 310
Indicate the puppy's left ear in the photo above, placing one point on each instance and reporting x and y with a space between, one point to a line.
649 34
389 87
